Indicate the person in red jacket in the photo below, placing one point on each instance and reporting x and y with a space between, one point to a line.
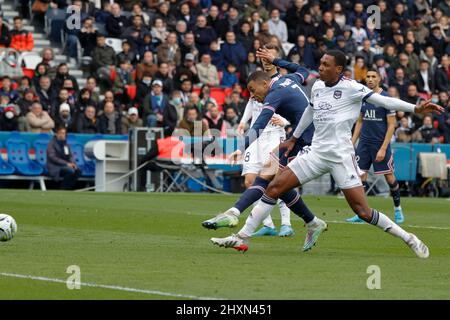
21 40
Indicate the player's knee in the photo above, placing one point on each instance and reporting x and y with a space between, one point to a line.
248 183
362 211
274 189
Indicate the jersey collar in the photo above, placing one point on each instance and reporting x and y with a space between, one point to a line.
333 84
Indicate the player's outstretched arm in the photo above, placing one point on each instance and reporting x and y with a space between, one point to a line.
265 54
400 105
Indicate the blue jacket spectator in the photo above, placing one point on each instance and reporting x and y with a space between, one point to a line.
233 52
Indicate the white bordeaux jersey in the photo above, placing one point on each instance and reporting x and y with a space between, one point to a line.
335 110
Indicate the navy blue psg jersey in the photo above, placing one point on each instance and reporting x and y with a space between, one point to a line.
374 124
286 98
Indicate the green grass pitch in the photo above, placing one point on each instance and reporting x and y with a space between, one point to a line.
152 246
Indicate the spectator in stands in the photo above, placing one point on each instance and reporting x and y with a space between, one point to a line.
205 95
154 104
231 121
63 98
207 72
203 35
327 23
103 59
62 73
444 118
60 161
235 101
7 90
233 52
191 121
48 59
245 36
39 120
86 122
425 81
135 33
177 102
187 71
170 114
428 132
9 119
194 100
146 66
169 50
358 31
144 87
83 100
45 92
21 40
137 11
188 46
360 69
91 85
437 41
232 21
24 84
26 101
264 34
116 23
230 76
442 75
87 36
163 12
126 54
163 75
429 55
215 121
184 14
5 36
64 117
147 44
124 78
181 30
216 56
405 134
400 82
110 122
248 68
131 120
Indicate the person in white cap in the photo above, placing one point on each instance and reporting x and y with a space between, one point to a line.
154 104
64 117
131 121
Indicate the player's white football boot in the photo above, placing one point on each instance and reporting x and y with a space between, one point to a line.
313 233
233 241
222 220
419 248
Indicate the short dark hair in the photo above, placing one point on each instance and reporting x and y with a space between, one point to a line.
258 76
271 46
373 70
17 18
339 57
60 127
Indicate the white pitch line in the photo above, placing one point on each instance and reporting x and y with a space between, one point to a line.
409 226
111 287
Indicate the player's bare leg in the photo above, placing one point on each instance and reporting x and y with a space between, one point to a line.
282 185
356 198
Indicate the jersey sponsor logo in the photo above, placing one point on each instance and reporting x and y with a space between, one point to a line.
323 105
337 94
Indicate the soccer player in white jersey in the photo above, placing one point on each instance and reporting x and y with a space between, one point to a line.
335 106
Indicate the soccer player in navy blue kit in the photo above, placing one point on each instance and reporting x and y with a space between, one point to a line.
286 98
374 128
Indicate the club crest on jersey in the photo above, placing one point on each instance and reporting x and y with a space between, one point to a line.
337 94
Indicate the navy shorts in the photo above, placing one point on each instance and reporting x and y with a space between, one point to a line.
283 160
366 153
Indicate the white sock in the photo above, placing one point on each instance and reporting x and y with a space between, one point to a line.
254 219
398 208
268 222
313 222
234 211
285 213
390 227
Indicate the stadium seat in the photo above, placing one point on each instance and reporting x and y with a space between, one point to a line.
219 95
5 167
29 60
40 149
115 43
18 156
87 167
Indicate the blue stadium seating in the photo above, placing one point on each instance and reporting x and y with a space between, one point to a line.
18 156
40 149
5 167
87 167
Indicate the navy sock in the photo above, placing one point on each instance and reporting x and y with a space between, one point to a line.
295 203
395 193
375 217
252 194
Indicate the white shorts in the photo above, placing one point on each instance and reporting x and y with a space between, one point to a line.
309 165
258 153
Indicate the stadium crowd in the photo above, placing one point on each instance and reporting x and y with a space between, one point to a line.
183 61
